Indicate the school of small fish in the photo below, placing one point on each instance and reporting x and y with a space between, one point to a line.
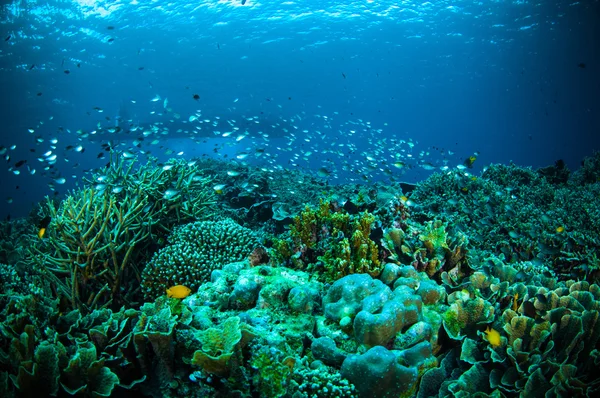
331 147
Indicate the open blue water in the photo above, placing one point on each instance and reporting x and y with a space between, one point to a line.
337 86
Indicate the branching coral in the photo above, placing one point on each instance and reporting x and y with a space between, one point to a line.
99 235
93 243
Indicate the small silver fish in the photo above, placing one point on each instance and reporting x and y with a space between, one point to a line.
170 193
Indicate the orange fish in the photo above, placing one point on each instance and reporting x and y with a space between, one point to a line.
515 303
179 291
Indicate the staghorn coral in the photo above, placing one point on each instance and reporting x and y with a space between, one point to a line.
92 245
178 192
193 252
98 235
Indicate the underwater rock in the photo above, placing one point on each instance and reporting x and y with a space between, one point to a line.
378 374
302 299
353 293
324 349
390 273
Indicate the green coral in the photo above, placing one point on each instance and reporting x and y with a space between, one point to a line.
281 250
304 228
339 240
87 375
272 373
434 238
194 251
521 214
221 347
153 338
463 316
99 233
47 368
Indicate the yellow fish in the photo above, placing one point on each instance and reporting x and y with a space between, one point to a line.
469 161
560 230
179 291
42 226
493 337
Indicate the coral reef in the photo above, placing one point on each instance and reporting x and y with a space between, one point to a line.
339 242
471 287
99 235
194 250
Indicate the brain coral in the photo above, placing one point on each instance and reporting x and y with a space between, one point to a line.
195 250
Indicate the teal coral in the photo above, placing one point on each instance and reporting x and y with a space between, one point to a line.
496 314
377 314
193 252
320 381
381 373
221 348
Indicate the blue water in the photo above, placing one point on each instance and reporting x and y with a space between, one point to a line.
512 80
